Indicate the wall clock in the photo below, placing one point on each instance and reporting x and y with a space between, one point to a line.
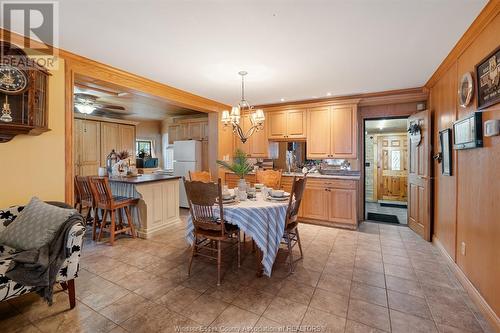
12 80
465 90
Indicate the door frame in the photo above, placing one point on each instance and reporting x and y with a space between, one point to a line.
363 161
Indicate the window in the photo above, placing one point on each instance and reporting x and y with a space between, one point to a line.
143 146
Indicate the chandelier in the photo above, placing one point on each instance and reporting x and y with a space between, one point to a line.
233 119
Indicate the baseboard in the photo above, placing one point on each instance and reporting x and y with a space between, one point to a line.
474 294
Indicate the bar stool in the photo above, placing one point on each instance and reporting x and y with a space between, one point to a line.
84 198
111 205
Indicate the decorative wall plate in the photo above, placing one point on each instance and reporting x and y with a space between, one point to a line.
465 89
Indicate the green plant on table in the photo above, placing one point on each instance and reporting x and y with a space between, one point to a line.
239 166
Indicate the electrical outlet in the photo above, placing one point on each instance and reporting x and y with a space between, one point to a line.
462 248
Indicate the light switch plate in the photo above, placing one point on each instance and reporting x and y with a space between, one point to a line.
462 248
492 127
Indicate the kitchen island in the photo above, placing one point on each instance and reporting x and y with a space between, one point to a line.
158 195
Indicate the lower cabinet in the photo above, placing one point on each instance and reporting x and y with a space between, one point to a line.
329 201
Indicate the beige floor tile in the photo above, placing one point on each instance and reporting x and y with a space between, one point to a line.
396 260
265 325
413 305
11 319
119 272
331 302
34 308
151 318
297 292
155 288
205 309
234 316
400 271
324 321
103 294
370 294
227 291
285 312
454 316
410 287
305 276
335 284
355 327
340 270
178 298
404 323
368 277
123 308
369 265
253 300
369 314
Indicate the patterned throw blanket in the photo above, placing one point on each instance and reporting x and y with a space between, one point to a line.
39 267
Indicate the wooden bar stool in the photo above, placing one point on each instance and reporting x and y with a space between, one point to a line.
111 205
84 198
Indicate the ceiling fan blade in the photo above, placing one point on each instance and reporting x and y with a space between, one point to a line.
112 107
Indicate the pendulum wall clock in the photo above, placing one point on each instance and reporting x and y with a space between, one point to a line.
23 94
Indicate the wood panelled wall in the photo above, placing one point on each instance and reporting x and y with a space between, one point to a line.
466 205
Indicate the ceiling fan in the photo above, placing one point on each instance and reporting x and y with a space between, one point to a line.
87 104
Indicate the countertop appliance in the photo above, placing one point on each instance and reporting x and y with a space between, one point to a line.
187 157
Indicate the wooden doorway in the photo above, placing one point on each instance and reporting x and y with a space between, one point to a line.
419 176
392 167
386 170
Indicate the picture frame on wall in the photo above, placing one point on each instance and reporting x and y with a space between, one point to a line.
488 80
446 149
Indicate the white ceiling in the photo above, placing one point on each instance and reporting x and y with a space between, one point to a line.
292 49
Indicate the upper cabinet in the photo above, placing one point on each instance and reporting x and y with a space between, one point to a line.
332 132
118 137
188 130
289 124
257 144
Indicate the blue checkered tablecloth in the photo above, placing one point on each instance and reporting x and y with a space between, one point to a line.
262 220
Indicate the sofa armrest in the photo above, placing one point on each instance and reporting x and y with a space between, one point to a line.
8 215
69 268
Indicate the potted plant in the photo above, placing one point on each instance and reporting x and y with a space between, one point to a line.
239 166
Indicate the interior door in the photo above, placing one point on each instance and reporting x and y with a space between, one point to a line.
419 176
392 168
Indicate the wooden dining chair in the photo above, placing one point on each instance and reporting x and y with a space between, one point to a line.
209 228
291 235
270 178
112 206
84 198
200 176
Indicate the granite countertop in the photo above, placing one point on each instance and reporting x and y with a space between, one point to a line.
352 175
348 175
147 178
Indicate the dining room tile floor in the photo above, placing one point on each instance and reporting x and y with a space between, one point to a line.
380 278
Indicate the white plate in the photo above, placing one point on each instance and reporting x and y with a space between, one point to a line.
285 195
278 198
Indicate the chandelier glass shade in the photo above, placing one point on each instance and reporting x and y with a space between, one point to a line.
233 118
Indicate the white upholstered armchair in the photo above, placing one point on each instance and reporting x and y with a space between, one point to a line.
67 273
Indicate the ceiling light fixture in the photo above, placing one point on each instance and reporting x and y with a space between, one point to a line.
85 103
328 94
282 99
233 119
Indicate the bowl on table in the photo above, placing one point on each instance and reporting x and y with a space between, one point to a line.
259 186
277 193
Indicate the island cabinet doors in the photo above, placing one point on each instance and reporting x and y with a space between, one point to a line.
332 132
419 178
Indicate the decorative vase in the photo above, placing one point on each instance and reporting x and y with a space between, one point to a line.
242 184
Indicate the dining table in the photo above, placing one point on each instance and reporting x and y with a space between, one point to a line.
260 218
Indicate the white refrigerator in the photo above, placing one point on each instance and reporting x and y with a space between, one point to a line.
187 157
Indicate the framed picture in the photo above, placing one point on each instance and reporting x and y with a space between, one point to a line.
488 80
445 142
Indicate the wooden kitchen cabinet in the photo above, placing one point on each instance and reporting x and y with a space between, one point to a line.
110 137
257 144
290 124
319 133
204 156
342 206
87 138
330 202
344 131
332 132
194 131
315 201
127 140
